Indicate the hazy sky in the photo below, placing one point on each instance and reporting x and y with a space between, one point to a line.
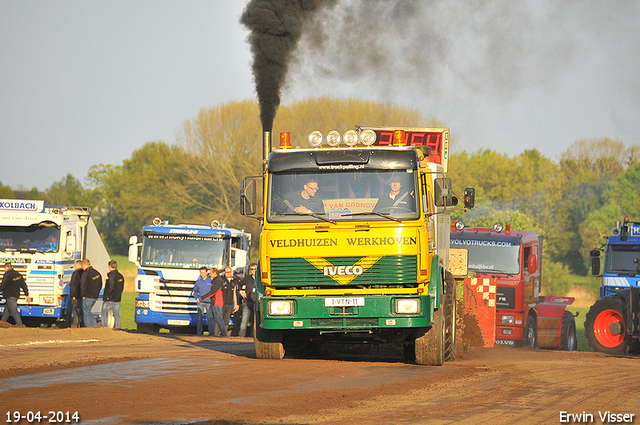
88 82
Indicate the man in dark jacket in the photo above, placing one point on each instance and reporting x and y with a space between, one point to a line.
112 296
12 282
229 297
248 294
90 287
75 296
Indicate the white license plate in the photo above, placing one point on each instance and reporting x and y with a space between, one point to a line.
344 302
178 322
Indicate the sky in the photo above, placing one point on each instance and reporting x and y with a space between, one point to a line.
88 82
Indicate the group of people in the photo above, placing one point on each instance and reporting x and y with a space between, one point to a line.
84 290
218 296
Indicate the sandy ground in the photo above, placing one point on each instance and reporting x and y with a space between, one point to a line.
126 377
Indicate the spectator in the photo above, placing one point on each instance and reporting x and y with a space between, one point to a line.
90 287
112 296
217 303
237 316
248 294
75 296
201 287
12 283
230 303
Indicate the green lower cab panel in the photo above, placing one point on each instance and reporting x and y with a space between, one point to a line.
357 312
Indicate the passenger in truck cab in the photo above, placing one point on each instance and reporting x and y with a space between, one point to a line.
305 201
396 200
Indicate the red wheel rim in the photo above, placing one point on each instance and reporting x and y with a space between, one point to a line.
602 328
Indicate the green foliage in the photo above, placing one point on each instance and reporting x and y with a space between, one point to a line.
556 278
6 192
67 192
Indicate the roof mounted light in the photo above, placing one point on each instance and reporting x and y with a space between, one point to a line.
459 225
498 227
398 138
285 140
334 138
315 138
215 223
350 137
368 137
157 221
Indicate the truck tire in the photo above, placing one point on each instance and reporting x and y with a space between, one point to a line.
429 347
531 332
568 336
605 327
267 343
450 317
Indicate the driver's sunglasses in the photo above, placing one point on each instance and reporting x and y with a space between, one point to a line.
313 188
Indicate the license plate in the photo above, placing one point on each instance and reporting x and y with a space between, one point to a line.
178 322
344 302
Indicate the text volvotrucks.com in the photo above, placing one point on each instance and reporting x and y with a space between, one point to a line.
42 242
612 324
508 264
169 258
355 241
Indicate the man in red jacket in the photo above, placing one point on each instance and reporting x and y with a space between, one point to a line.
217 305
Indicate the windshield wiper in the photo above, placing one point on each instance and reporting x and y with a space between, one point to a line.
385 215
312 215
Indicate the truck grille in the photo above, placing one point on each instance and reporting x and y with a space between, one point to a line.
391 270
173 297
506 298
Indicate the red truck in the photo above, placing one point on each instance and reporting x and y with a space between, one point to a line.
511 261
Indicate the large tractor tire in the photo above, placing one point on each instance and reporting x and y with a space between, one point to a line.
605 326
568 335
267 343
450 351
429 347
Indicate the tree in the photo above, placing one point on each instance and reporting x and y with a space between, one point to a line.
68 191
6 192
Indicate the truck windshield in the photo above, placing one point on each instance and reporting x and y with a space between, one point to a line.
623 258
489 255
183 251
343 196
41 237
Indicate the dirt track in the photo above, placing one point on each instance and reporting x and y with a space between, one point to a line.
119 377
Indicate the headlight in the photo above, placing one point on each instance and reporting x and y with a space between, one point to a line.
407 306
315 138
507 320
280 307
142 304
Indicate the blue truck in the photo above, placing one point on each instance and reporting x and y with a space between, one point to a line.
611 325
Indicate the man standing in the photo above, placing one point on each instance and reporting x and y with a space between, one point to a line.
112 296
217 303
90 287
201 287
229 297
248 294
75 296
12 282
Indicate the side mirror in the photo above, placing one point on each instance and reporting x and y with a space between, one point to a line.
443 193
532 263
133 251
70 243
469 197
248 197
595 262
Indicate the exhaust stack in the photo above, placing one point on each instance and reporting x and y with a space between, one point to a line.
266 148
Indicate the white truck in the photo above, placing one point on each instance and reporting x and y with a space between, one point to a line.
169 258
42 242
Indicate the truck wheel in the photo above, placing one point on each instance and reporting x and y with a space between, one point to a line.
568 337
605 327
267 343
531 332
450 317
429 347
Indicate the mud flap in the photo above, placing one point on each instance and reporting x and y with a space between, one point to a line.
480 312
550 313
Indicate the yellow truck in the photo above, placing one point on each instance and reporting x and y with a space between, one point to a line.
355 243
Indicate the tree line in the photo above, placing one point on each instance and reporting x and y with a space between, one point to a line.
574 202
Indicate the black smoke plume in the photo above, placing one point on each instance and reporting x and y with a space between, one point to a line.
275 29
